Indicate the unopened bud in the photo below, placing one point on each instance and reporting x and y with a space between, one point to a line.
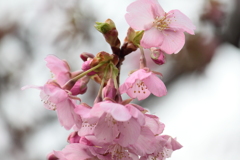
86 66
109 91
85 141
157 56
105 27
108 29
74 137
51 156
80 86
84 56
134 36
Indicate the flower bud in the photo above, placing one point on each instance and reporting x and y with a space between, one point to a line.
74 137
134 36
51 156
105 27
157 56
86 66
108 29
80 86
109 91
84 56
132 41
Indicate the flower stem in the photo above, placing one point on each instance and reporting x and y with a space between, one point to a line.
99 95
88 71
69 84
143 62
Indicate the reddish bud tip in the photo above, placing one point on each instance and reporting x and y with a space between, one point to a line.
84 56
109 90
51 156
74 137
157 56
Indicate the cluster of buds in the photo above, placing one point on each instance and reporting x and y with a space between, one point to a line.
113 128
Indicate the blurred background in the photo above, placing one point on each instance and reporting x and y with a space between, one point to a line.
202 108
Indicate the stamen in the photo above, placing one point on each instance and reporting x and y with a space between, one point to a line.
161 23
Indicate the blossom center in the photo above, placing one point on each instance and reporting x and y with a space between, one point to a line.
110 120
50 105
118 152
85 124
161 23
140 87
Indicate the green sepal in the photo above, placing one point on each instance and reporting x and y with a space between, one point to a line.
102 27
105 27
137 38
114 69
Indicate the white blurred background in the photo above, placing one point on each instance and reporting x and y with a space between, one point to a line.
202 108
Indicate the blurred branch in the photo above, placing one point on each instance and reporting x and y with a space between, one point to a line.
232 32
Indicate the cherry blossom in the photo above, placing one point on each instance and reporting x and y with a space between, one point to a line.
55 98
163 30
113 128
166 145
142 83
111 119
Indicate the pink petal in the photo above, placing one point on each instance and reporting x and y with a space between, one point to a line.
171 143
82 110
173 41
152 38
76 151
180 21
56 65
59 155
138 91
118 111
140 16
106 130
136 113
55 93
146 142
153 123
63 77
155 85
65 114
158 11
123 88
130 131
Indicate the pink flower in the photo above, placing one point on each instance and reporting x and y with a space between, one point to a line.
141 83
163 30
62 74
112 122
153 123
165 146
75 151
55 98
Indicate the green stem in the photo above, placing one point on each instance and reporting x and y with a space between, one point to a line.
116 85
88 71
99 95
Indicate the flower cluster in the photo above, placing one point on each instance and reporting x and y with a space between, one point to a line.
113 128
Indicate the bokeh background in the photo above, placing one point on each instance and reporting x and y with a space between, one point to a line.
202 108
